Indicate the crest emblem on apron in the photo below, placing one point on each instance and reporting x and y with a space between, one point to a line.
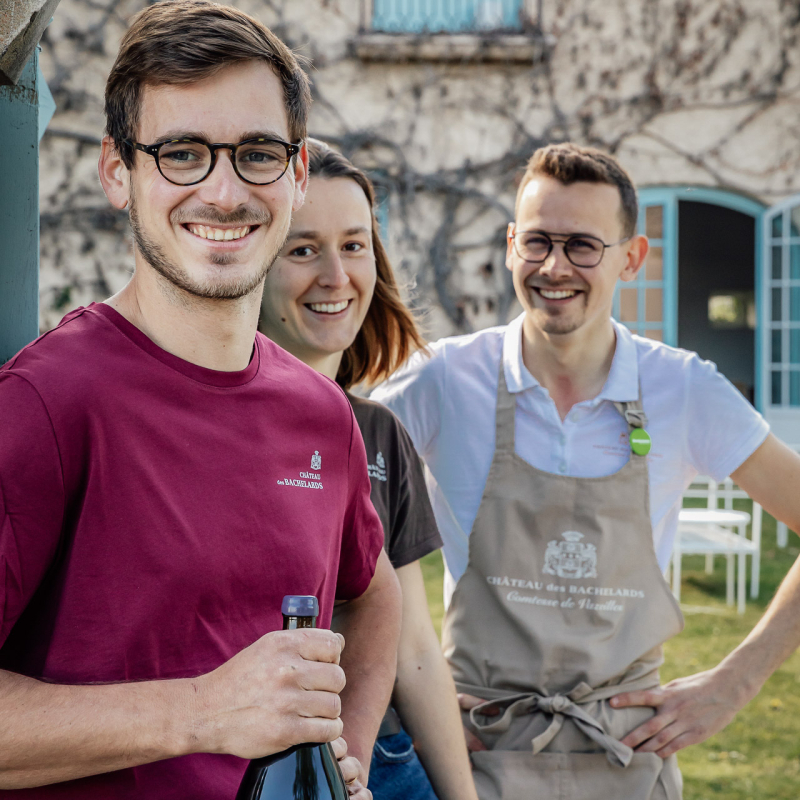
570 558
316 460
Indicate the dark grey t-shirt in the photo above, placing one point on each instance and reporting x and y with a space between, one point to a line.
398 491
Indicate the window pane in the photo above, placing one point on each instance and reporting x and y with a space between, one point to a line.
657 335
777 272
776 389
777 224
776 305
794 388
628 305
794 346
794 221
794 261
654 266
794 303
654 222
445 15
776 346
653 305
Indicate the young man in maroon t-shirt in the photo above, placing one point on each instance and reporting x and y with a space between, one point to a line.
167 474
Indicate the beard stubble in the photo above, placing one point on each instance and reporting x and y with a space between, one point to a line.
155 256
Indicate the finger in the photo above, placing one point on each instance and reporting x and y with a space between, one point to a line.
339 748
468 701
314 729
662 739
678 743
357 791
474 744
351 768
314 676
648 730
318 644
319 705
651 697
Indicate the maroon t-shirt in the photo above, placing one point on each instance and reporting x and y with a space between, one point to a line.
153 514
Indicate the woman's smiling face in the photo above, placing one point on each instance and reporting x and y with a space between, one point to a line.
317 293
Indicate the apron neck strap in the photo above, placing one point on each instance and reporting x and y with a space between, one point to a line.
504 416
633 413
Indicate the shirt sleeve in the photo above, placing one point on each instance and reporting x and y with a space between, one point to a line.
362 537
724 429
415 393
414 532
31 497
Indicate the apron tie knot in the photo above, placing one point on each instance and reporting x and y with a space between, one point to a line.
558 706
554 704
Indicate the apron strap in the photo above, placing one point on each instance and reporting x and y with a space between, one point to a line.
633 412
504 416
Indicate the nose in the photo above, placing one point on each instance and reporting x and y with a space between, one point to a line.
556 265
223 187
333 274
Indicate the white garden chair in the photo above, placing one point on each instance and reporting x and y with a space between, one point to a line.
716 530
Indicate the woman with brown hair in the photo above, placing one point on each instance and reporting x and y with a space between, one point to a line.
331 300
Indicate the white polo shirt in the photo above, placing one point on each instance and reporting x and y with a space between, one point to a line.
699 424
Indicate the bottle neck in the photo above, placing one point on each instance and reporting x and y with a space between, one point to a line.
291 623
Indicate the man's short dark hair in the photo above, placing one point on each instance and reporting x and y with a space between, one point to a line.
184 41
571 163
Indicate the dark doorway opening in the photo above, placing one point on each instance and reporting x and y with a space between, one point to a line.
716 289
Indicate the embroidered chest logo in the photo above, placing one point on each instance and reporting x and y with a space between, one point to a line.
378 469
307 480
571 558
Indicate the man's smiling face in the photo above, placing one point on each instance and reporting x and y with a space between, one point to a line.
557 296
217 238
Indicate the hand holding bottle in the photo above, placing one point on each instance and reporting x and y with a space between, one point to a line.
351 769
280 691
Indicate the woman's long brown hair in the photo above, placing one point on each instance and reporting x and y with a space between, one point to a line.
389 334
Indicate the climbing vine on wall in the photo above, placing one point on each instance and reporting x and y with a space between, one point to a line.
683 91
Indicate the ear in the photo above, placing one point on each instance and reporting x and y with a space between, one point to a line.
114 175
510 244
637 252
300 177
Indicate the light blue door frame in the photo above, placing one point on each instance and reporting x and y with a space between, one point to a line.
19 212
25 110
667 198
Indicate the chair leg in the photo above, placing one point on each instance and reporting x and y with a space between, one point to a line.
676 574
709 563
783 534
742 577
729 581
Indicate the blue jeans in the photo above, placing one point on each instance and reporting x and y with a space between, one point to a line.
396 772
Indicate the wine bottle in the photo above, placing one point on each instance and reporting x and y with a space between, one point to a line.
305 771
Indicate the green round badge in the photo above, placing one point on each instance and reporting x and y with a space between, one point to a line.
640 441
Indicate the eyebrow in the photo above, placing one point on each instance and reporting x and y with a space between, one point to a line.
184 134
314 235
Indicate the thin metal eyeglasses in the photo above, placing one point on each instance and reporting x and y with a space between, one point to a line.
187 161
580 249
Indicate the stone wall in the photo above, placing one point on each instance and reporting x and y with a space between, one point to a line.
686 92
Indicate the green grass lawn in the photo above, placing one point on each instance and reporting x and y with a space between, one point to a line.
757 757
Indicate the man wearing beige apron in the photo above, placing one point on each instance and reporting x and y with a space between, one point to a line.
559 447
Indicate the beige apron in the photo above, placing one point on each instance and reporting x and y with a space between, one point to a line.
561 607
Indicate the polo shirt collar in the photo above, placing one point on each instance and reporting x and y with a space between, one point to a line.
622 384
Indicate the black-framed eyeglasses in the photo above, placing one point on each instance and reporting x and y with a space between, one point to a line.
580 249
184 162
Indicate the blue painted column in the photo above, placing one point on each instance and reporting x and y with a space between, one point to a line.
19 212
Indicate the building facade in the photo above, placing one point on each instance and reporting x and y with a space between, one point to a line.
443 101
